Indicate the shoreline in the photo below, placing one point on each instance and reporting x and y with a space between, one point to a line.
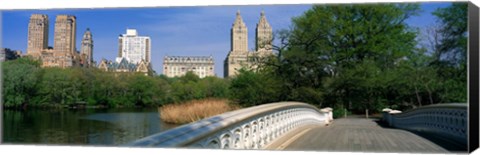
71 107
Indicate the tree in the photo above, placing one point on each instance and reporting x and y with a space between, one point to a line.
417 75
143 90
452 67
249 88
189 76
20 78
57 87
453 32
344 52
429 39
214 87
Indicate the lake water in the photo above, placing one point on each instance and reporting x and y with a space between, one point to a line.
99 127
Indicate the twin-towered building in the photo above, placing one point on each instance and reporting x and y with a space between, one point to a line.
239 56
64 53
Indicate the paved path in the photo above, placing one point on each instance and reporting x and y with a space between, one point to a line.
356 135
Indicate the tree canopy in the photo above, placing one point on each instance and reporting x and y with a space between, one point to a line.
367 57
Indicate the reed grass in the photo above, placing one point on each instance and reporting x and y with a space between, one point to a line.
194 110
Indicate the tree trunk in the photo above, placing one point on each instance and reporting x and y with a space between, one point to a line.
419 99
366 113
429 94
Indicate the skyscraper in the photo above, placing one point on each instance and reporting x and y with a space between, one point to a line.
133 47
65 33
86 50
133 55
37 34
65 53
239 35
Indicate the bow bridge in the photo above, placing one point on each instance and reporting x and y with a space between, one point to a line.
300 126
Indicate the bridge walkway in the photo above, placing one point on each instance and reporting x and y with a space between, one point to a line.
357 135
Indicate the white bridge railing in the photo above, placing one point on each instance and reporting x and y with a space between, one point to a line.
249 128
449 120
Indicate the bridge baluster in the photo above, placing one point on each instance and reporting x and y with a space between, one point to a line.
277 125
225 141
267 129
254 135
246 136
261 132
237 138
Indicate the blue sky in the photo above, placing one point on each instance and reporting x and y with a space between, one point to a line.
178 31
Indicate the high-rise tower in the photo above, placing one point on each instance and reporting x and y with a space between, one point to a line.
238 55
65 33
134 48
87 49
37 34
239 35
263 35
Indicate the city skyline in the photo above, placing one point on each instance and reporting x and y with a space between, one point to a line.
175 31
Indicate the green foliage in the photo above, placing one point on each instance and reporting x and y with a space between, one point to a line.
453 20
27 83
214 87
249 88
366 57
451 62
20 78
339 54
185 91
191 87
339 112
28 61
189 76
307 95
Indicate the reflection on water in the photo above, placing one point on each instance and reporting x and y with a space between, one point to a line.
80 127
